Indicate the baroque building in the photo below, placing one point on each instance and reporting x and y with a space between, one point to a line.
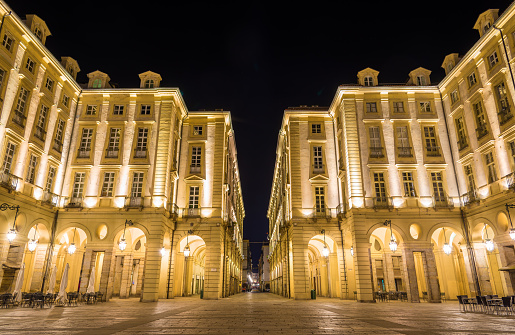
402 188
120 184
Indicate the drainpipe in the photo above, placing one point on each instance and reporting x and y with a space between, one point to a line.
223 269
470 250
170 265
288 259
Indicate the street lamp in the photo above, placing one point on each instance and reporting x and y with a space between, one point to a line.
393 243
512 230
489 244
72 247
33 242
447 248
186 250
11 234
163 251
123 244
325 250
352 250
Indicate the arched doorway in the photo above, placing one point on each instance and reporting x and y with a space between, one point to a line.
71 247
34 257
386 260
129 262
189 266
323 266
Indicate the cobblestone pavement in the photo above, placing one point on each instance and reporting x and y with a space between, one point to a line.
252 313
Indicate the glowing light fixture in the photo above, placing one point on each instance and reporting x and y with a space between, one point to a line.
11 234
123 244
393 242
33 243
489 244
72 247
325 250
163 251
186 250
447 248
352 250
512 230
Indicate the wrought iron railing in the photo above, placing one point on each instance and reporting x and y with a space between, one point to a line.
194 168
111 153
505 115
376 152
140 153
9 180
19 119
462 143
481 132
40 133
470 197
318 168
58 146
404 152
383 202
50 198
134 202
321 212
74 202
191 212
442 201
83 153
433 151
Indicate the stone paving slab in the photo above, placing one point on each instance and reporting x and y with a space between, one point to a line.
252 313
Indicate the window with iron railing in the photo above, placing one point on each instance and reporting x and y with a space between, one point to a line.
376 149
501 95
8 157
438 189
432 149
318 160
320 199
49 186
107 185
31 169
462 135
140 151
85 143
196 159
58 140
78 187
379 185
113 145
490 167
408 183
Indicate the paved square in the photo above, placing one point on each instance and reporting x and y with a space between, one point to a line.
252 313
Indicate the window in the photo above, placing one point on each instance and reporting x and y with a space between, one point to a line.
480 117
379 187
449 67
376 150
469 175
486 27
97 83
369 81
149 83
107 185
493 59
30 65
409 184
113 146
193 201
141 143
118 109
511 145
21 104
425 106
371 107
8 42
31 171
437 183
137 185
316 128
198 130
403 147
2 76
66 100
8 158
471 79
430 139
38 33
58 141
50 180
421 81
91 109
398 107
196 157
85 143
318 161
49 84
503 104
454 96
145 109
319 199
462 135
78 185
41 124
490 167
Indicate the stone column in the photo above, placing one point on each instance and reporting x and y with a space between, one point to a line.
506 255
125 285
388 271
410 274
214 263
87 263
39 265
152 267
107 275
483 271
300 289
362 267
430 271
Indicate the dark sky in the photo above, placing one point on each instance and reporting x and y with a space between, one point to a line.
256 58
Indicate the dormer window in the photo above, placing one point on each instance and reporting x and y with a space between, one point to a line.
38 33
97 83
449 67
486 27
149 83
369 81
421 81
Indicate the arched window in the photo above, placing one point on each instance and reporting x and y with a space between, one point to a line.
369 81
97 83
149 83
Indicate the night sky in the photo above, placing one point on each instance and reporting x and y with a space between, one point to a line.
255 59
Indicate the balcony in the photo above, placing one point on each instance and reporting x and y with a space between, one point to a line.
83 153
505 115
19 119
174 164
40 133
462 143
194 168
481 131
404 152
112 153
341 210
470 197
50 198
74 202
173 209
9 181
134 202
58 146
383 202
321 213
376 152
191 212
442 201
433 152
318 168
341 163
140 153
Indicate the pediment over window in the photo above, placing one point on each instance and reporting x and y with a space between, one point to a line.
71 66
150 79
98 79
194 177
319 178
368 77
450 62
419 77
486 20
38 27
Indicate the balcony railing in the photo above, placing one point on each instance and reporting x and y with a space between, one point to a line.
470 197
173 209
19 119
321 213
376 152
39 133
111 153
505 115
50 198
58 146
404 152
194 168
341 210
74 202
140 153
9 181
462 143
174 164
341 163
83 153
134 202
318 168
383 202
433 151
442 201
191 212
481 132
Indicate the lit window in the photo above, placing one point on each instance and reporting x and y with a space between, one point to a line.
31 171
30 65
472 79
49 84
490 167
369 81
493 59
316 128
8 42
107 185
91 110
97 83
409 184
371 107
425 106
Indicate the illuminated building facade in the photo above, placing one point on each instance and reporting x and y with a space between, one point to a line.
121 184
403 187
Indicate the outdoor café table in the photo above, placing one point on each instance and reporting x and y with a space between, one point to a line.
90 298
